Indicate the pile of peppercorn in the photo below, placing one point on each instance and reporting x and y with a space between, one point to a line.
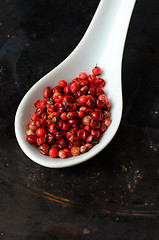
71 118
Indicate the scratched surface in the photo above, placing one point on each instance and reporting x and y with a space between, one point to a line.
112 196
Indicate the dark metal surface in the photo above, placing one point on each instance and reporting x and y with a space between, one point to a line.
112 196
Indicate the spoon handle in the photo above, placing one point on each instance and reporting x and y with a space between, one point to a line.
107 31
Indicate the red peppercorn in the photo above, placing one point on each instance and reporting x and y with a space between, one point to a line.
30 132
66 100
51 109
58 135
84 149
58 105
87 120
89 111
62 83
40 132
74 106
57 89
67 152
62 154
89 139
47 92
72 122
97 109
106 114
107 122
71 115
37 103
40 123
65 126
70 136
40 140
59 123
96 71
83 75
96 125
54 145
88 128
75 80
102 98
34 117
43 103
103 128
52 128
82 100
44 149
96 133
99 82
75 151
91 78
90 102
82 134
99 91
40 110
63 116
84 89
97 116
74 87
50 101
80 114
44 115
31 138
82 109
50 138
58 98
32 126
61 144
61 109
53 152
92 91
48 123
78 94
99 103
107 105
89 145
67 90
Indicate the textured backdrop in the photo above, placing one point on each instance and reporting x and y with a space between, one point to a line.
113 196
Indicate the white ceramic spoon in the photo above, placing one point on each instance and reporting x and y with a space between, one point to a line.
102 44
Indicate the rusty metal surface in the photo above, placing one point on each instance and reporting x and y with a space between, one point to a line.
112 196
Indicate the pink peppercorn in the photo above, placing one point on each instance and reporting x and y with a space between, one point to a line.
96 71
62 154
83 75
75 151
53 152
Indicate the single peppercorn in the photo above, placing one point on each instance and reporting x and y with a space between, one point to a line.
31 138
44 149
96 71
62 83
53 152
62 154
40 132
47 92
75 151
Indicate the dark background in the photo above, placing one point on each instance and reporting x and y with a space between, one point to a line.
112 196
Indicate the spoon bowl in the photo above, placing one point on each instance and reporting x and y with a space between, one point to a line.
102 44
